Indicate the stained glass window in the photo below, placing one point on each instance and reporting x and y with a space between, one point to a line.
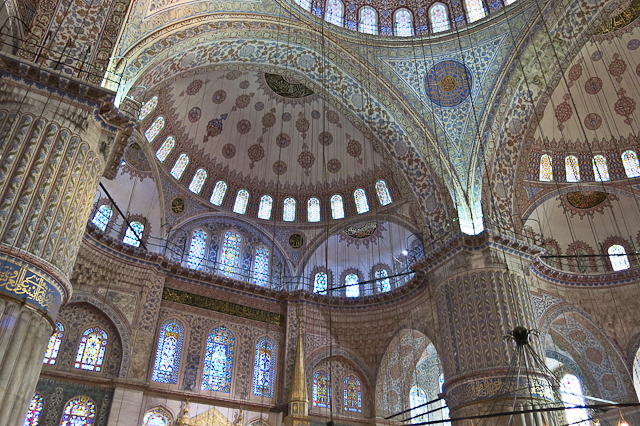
417 399
352 282
572 168
600 169
572 396
368 20
475 10
132 233
168 352
313 210
218 360
165 148
264 211
403 23
197 181
382 281
305 4
149 106
230 253
321 389
383 192
80 411
102 217
218 193
179 166
261 267
197 249
33 414
631 164
91 349
157 417
439 18
242 199
53 346
264 368
618 257
546 168
155 128
445 409
337 209
320 283
289 210
335 12
352 394
362 206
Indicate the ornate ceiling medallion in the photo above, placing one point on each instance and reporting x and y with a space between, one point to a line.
586 199
360 230
287 90
448 83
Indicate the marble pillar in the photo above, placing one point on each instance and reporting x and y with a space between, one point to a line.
58 136
480 284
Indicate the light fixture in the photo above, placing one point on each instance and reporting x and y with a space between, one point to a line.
621 420
405 252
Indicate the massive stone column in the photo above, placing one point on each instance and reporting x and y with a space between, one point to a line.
58 136
482 293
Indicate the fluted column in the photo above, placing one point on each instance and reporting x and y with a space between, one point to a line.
57 138
482 293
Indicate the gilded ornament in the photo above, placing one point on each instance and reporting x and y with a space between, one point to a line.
586 199
363 231
620 21
283 88
177 205
296 241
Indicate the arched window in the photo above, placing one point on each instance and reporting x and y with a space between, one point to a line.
352 281
403 23
155 128
383 192
242 199
197 249
198 180
149 106
102 217
362 206
546 168
368 20
33 413
417 399
261 267
230 259
383 284
157 417
313 210
218 193
133 234
600 169
179 166
445 409
53 346
335 12
475 10
165 148
618 257
264 211
91 349
168 352
631 164
218 360
264 368
320 283
439 17
305 4
352 394
289 210
572 168
321 389
572 396
80 411
337 209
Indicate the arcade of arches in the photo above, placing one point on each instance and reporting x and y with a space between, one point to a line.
279 212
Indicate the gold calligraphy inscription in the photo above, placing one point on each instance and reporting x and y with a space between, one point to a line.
221 306
620 21
491 387
23 282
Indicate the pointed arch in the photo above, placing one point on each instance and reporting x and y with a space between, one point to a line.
546 168
197 181
218 193
91 349
321 389
102 217
33 412
165 149
631 163
313 210
264 367
180 165
383 193
368 22
230 258
403 23
53 347
264 210
352 394
261 266
168 352
439 17
79 411
155 128
218 360
147 108
360 197
337 207
289 210
572 168
242 199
